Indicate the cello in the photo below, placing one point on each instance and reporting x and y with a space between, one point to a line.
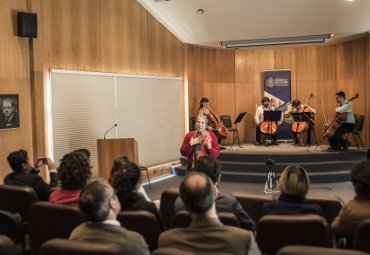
299 127
219 126
335 121
269 127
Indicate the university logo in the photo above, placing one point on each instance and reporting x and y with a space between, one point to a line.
270 82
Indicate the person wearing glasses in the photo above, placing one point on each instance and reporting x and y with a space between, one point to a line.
26 175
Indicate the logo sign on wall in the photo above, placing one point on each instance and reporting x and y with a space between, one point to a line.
277 86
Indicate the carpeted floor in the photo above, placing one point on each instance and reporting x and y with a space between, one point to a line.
341 189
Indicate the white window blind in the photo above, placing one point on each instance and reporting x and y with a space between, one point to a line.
84 105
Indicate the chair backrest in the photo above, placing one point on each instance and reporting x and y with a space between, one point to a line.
252 203
359 124
183 219
226 119
171 251
11 226
143 222
330 204
277 231
168 199
192 121
71 247
361 238
50 221
18 199
311 250
7 246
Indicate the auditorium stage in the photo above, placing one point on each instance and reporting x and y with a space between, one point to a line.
248 164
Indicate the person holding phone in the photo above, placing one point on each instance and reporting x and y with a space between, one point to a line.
24 174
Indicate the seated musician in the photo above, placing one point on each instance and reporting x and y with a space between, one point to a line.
258 118
337 142
297 107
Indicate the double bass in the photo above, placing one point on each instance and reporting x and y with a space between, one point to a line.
219 126
335 121
299 127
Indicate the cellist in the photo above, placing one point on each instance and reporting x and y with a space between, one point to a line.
337 142
297 107
258 118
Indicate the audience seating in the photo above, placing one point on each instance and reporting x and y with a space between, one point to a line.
11 226
70 247
50 221
18 199
361 240
174 251
7 246
183 219
143 222
330 204
252 203
168 198
276 231
310 250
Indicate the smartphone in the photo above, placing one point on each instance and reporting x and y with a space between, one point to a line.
44 161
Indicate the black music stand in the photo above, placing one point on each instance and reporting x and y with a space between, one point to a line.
272 116
300 117
236 131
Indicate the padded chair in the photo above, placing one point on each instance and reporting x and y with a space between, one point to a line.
50 221
71 247
252 203
11 226
183 219
310 250
168 198
226 120
171 251
330 204
7 246
18 199
143 222
361 239
277 231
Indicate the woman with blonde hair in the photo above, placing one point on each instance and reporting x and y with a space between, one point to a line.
294 184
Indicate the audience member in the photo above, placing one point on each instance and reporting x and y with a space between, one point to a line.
206 233
358 209
84 151
294 185
25 174
118 166
100 206
126 183
73 172
210 166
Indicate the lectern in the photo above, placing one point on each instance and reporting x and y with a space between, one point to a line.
110 149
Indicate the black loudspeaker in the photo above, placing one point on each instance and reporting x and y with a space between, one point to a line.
368 154
27 24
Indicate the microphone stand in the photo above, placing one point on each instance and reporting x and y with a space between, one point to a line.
115 125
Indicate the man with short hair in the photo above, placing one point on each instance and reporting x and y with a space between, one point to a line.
210 166
206 233
100 206
25 174
10 118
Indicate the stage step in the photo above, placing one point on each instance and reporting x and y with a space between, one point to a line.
250 166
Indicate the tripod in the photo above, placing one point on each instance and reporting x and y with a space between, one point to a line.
271 180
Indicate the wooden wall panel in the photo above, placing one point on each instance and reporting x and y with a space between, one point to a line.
124 42
195 94
285 59
326 63
306 64
209 72
344 65
367 89
194 63
225 65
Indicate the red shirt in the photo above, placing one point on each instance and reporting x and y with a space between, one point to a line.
188 151
63 196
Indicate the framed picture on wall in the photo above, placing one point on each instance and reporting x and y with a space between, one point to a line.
9 113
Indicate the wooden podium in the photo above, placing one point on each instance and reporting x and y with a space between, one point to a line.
110 149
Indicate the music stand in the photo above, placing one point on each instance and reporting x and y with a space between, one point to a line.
236 131
271 116
300 117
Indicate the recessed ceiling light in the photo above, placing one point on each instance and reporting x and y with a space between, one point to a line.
349 0
331 35
200 11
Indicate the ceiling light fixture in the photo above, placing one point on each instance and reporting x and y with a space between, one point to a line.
200 11
276 41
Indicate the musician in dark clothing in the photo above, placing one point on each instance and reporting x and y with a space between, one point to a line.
25 174
337 142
